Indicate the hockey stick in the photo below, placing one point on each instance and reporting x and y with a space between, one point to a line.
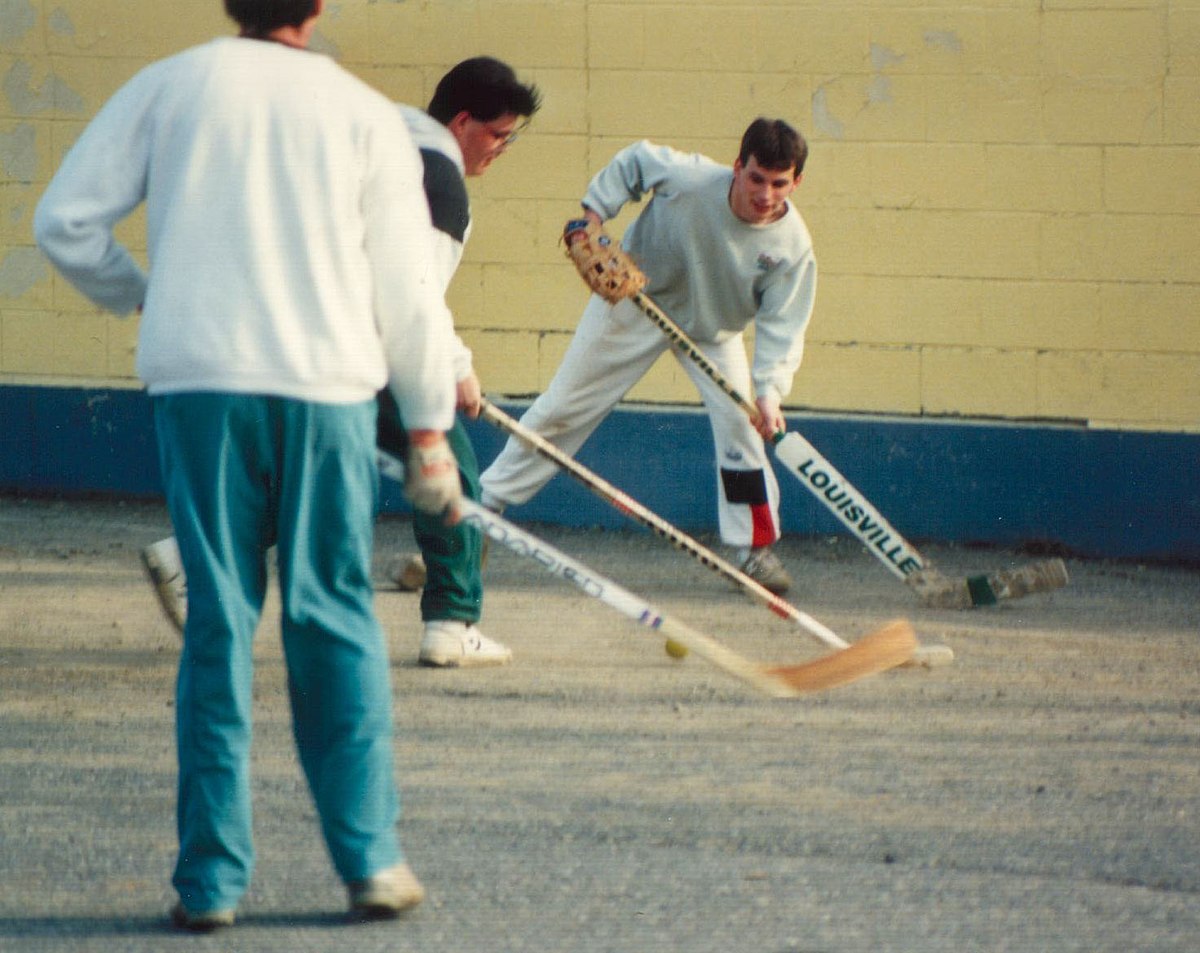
885 648
927 655
857 514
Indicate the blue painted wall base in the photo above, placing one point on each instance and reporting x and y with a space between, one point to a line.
1099 493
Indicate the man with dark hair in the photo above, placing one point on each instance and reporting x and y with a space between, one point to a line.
722 249
482 89
288 241
476 112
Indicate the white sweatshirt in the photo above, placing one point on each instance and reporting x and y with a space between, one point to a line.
288 234
709 271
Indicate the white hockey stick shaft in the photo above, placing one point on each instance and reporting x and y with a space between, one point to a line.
647 517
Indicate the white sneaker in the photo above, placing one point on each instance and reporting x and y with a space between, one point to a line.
408 573
386 894
448 643
165 571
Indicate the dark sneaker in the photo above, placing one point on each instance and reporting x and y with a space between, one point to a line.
764 567
184 919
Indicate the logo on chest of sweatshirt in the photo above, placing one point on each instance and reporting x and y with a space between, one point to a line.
766 262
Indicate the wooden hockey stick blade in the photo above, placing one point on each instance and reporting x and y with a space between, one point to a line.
773 681
955 592
885 648
1044 576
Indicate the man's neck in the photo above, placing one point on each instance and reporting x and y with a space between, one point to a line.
294 36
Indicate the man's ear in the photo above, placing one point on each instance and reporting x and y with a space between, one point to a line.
459 122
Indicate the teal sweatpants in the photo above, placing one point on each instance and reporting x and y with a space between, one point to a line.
454 578
243 473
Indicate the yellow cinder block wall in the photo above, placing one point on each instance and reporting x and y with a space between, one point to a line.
1005 197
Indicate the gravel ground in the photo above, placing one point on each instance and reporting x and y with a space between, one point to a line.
1042 793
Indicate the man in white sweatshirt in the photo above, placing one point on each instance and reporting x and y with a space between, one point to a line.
722 248
289 246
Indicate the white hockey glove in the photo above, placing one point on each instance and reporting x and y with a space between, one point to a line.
431 480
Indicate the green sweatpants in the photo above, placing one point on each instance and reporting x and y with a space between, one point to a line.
454 581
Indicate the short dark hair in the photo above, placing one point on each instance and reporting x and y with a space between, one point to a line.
485 88
263 16
775 145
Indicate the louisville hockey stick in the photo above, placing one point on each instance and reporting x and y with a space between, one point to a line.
806 463
926 655
857 514
885 648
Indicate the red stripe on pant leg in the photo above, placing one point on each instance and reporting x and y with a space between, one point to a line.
749 488
763 527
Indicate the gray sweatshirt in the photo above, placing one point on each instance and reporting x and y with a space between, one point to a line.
711 272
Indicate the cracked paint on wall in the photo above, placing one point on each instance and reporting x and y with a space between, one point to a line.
879 90
946 40
17 18
60 23
28 100
824 121
18 153
21 269
882 57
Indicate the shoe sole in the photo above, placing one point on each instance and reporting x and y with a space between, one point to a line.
777 588
443 661
385 902
181 919
383 911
